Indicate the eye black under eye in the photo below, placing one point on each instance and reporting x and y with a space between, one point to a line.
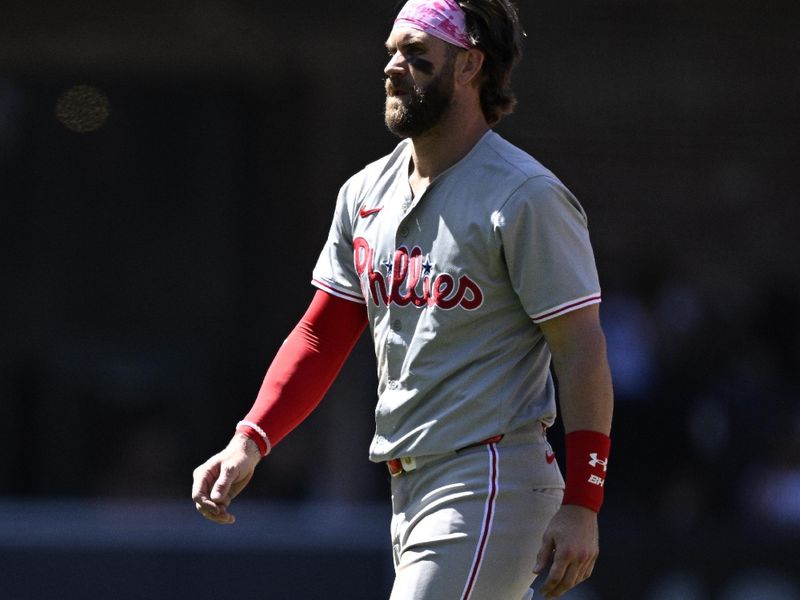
421 64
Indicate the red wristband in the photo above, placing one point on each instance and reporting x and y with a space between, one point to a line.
587 461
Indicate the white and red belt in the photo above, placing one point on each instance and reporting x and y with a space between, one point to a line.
397 466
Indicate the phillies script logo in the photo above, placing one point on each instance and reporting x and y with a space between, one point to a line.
410 270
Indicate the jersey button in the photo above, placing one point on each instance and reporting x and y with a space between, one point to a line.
397 325
403 231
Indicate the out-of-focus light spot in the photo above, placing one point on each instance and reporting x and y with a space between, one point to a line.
82 108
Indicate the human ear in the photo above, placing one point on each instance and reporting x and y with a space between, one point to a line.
468 66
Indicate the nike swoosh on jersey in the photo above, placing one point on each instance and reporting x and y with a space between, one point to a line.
365 212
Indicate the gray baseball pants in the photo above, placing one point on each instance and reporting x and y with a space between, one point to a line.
468 525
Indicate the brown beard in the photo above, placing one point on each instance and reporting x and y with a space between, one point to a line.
425 108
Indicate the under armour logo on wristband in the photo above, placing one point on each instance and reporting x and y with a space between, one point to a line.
597 461
587 452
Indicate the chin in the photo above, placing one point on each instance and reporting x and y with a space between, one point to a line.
394 118
393 127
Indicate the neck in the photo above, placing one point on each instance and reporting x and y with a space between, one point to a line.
443 146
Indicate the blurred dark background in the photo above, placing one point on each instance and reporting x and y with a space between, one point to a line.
167 176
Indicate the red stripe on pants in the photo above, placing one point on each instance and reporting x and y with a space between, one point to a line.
488 516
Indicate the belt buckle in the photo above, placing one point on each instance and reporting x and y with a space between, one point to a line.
397 466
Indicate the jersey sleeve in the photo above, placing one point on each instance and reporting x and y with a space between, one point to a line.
545 241
335 271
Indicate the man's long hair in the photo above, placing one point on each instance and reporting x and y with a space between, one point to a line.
495 29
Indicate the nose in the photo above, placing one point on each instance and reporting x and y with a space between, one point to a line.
397 65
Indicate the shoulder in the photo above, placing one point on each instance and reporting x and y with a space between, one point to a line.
508 174
502 154
531 187
377 171
542 197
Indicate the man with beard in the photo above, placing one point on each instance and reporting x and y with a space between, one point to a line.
472 265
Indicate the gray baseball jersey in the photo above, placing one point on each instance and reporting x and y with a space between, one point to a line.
455 282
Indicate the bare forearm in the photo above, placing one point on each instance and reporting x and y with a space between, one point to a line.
586 398
578 347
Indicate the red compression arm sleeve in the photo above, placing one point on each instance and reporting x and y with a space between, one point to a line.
307 363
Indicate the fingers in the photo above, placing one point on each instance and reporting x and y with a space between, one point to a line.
210 487
220 479
562 578
203 478
556 576
567 571
545 554
587 572
221 489
218 515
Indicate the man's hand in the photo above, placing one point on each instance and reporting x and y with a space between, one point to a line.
571 540
220 479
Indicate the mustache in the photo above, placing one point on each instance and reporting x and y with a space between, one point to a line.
393 86
390 86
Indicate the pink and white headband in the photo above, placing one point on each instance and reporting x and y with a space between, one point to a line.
443 19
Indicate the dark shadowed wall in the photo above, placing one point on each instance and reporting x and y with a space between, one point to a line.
158 229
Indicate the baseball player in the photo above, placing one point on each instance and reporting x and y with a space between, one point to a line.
471 265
